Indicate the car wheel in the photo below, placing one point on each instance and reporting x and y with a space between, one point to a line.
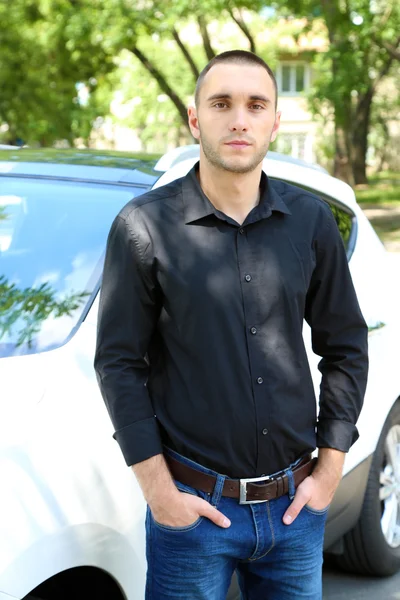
373 546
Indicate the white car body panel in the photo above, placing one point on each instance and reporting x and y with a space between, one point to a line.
4 596
70 498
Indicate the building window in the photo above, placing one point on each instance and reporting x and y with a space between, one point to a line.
298 145
293 78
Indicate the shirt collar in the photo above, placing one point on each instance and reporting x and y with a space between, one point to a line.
197 205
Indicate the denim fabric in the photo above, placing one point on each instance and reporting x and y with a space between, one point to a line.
273 561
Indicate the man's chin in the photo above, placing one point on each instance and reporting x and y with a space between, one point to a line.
240 166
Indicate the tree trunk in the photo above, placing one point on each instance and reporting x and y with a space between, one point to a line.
164 85
359 136
361 124
342 164
206 38
241 23
186 54
393 49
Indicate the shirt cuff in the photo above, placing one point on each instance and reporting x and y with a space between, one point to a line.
139 441
334 433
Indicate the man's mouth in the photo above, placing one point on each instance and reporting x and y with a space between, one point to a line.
238 144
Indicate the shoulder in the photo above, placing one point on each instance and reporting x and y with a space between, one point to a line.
301 201
153 202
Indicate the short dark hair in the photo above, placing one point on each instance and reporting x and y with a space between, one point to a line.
240 57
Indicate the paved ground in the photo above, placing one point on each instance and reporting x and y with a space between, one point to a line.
341 586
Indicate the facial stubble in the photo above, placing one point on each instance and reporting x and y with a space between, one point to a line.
231 165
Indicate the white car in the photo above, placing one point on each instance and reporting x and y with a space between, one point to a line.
71 512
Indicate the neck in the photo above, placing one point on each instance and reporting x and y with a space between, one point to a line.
234 194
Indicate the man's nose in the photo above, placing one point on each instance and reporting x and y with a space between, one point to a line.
239 121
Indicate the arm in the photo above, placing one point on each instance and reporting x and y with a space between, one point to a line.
340 336
128 314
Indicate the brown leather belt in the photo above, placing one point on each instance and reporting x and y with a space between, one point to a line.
247 491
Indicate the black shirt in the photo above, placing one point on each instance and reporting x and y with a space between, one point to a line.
200 342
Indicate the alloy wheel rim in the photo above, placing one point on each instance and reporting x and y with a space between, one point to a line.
389 490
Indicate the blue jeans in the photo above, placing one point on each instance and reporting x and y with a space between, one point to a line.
273 561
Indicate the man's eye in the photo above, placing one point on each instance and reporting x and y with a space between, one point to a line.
219 104
257 106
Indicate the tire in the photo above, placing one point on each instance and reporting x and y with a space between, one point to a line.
372 547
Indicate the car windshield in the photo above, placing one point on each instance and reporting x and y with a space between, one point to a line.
52 240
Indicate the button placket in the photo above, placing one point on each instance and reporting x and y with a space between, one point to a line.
248 278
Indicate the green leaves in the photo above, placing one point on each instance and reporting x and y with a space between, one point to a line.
26 310
46 48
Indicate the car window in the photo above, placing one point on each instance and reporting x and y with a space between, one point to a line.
346 222
52 240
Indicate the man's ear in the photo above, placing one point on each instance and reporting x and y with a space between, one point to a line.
193 122
275 128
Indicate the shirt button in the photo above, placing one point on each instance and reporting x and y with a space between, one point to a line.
260 380
253 330
265 431
241 231
247 277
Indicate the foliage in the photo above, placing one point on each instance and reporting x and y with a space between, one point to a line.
385 111
141 51
29 308
344 222
348 74
40 68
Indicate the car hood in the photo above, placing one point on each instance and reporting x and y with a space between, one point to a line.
22 387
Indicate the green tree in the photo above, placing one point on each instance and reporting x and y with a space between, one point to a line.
363 40
40 67
363 34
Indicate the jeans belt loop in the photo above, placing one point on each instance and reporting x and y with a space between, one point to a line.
217 493
292 488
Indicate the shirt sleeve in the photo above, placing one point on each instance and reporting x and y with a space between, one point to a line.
340 337
128 313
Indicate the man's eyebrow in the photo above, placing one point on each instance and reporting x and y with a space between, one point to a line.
226 96
219 96
260 98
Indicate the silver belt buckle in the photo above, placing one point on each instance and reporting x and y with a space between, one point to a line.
243 489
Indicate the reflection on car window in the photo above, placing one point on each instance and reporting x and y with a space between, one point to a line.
344 221
52 241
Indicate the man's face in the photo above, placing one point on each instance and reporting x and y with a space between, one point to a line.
235 120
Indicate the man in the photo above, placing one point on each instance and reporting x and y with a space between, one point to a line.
201 361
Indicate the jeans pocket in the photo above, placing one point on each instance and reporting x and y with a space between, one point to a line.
187 489
169 528
315 511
